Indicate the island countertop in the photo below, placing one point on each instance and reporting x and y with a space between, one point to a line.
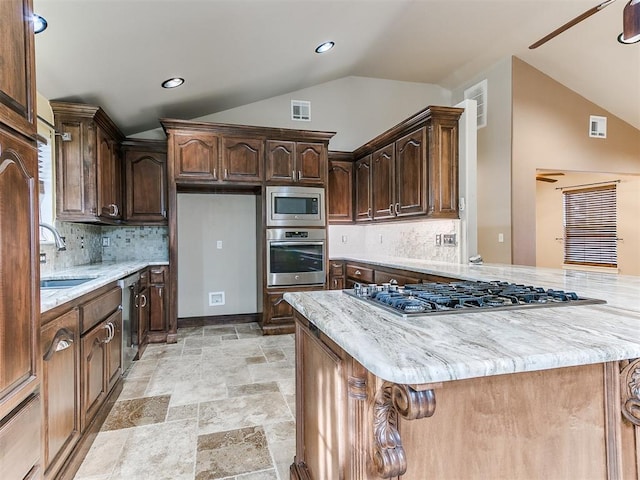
437 348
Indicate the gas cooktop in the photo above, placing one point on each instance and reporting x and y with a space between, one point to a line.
462 297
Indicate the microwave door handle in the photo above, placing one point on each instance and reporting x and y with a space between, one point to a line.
294 244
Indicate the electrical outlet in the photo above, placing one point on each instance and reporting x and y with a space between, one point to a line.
501 238
216 299
43 257
449 239
106 241
438 239
344 239
380 238
219 244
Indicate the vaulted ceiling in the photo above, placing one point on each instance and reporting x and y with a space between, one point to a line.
115 53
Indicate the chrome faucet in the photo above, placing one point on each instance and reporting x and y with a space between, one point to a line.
60 245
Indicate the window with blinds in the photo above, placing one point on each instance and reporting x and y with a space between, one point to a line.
590 231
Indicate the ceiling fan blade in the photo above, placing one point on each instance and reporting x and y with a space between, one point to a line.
546 179
571 23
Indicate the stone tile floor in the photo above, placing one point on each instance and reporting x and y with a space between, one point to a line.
219 404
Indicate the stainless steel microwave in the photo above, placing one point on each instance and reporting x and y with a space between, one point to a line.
295 206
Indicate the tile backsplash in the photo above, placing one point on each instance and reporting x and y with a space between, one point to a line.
410 239
85 245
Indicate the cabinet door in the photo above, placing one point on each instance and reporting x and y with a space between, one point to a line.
114 350
311 163
60 347
278 311
281 161
75 177
242 159
443 168
18 276
93 366
382 180
195 156
339 192
143 319
411 173
146 187
109 189
363 190
17 80
157 309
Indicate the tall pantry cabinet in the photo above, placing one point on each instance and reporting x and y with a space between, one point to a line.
20 405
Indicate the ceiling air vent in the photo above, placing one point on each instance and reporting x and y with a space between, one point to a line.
479 93
597 127
301 110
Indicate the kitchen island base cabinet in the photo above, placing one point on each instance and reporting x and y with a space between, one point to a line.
556 424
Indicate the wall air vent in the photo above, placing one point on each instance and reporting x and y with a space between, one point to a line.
478 92
597 127
301 110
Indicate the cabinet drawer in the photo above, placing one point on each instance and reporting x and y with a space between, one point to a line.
95 311
20 441
360 274
144 279
385 277
336 269
157 274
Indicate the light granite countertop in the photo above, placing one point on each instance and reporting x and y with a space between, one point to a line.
438 348
100 273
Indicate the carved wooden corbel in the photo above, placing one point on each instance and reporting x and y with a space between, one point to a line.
630 392
389 458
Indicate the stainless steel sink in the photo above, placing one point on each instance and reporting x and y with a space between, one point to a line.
63 282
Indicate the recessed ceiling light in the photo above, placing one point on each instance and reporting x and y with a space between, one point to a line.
173 82
39 23
325 47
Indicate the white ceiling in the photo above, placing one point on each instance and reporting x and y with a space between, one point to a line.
234 52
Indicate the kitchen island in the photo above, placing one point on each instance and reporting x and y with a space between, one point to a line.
534 393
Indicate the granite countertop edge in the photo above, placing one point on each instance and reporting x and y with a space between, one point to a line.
446 347
101 273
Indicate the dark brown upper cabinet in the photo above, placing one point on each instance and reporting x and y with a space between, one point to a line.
363 210
88 165
145 182
242 159
195 156
296 162
340 188
412 168
17 61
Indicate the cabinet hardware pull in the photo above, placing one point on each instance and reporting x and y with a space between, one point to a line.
358 272
293 175
299 174
391 209
135 302
336 265
397 212
226 175
214 174
62 340
369 212
108 328
144 300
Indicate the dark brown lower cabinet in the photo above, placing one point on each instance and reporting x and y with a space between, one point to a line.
277 314
60 341
157 300
101 352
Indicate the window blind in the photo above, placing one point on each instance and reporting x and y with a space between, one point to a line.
590 226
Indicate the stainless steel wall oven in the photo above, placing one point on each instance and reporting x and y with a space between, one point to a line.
295 257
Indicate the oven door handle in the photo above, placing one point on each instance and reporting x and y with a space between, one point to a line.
294 244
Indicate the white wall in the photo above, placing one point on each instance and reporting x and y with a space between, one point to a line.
494 163
357 108
203 220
